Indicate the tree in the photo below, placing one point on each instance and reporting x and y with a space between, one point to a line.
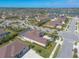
75 55
75 50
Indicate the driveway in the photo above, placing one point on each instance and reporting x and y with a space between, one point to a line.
31 54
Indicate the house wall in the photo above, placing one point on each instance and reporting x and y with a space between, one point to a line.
30 40
22 52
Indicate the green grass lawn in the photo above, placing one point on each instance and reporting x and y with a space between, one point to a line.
8 37
4 44
42 22
56 52
42 51
78 26
8 42
9 30
12 33
12 17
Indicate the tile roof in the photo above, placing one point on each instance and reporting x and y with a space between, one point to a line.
12 49
54 23
42 17
35 35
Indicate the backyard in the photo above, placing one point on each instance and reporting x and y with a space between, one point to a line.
8 35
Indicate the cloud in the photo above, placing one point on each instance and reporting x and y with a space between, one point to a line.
67 3
73 2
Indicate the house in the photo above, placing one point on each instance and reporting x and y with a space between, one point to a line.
34 36
14 49
53 24
41 17
56 22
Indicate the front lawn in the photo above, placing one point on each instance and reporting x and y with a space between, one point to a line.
44 52
56 52
78 26
42 22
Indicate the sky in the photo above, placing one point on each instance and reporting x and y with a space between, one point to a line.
40 3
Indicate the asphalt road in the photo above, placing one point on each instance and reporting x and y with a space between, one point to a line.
69 37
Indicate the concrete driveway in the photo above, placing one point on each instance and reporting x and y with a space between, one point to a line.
31 54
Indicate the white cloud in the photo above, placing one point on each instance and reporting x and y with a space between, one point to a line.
72 2
66 3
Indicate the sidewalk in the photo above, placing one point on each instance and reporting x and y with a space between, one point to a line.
58 42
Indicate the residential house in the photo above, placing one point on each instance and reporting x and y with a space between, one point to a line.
34 36
14 49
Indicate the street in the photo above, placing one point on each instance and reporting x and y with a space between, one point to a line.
69 37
